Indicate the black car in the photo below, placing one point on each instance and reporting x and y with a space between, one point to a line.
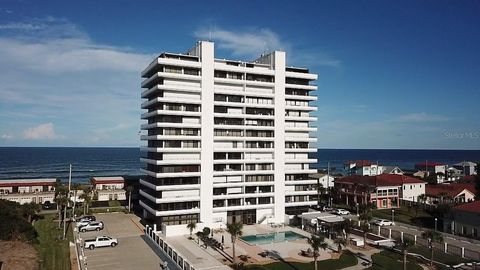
47 205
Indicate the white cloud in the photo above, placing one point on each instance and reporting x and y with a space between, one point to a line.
51 71
422 117
253 42
41 132
249 43
7 136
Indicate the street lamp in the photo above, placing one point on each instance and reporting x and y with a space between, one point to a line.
393 216
436 224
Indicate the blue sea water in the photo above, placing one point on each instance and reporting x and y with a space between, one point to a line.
36 162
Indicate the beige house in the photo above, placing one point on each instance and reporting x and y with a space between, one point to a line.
28 190
109 188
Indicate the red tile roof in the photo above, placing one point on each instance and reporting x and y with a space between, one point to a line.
469 207
429 164
380 180
452 190
26 184
107 180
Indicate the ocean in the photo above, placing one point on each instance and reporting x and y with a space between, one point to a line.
39 162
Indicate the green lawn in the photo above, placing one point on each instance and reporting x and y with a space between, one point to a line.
438 255
389 260
346 260
404 215
53 253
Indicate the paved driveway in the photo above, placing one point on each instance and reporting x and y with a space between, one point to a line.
132 251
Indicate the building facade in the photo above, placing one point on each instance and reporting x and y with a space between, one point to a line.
464 220
109 188
227 141
28 190
363 167
382 191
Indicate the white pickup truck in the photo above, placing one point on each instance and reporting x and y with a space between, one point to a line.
101 241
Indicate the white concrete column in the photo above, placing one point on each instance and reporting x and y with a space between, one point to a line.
389 233
279 63
463 252
401 236
445 247
379 228
415 239
206 154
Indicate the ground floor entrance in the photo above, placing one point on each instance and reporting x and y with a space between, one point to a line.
243 216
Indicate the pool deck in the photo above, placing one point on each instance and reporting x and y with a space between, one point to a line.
288 250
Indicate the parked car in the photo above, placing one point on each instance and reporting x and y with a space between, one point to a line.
89 218
92 226
341 212
101 241
82 222
47 205
382 222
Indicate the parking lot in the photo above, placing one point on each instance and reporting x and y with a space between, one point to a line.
132 251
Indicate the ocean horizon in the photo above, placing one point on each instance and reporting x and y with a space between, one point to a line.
53 162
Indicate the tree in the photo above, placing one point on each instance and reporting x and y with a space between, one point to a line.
129 190
191 226
442 196
432 237
61 199
75 187
404 247
235 230
346 227
422 198
13 223
29 210
317 243
365 228
200 236
87 197
339 241
365 218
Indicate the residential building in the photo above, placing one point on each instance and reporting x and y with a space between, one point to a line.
393 170
363 167
427 168
466 167
464 220
383 191
108 188
227 141
450 193
28 190
326 181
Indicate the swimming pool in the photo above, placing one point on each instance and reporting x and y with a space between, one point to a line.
267 238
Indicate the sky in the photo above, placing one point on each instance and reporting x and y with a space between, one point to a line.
392 74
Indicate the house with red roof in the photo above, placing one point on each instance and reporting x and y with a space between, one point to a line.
383 191
464 220
28 190
450 193
109 188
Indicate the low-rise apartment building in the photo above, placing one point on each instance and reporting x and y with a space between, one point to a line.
28 190
383 191
109 188
450 193
464 219
363 167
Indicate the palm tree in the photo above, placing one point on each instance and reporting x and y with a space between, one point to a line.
129 190
75 187
235 230
432 237
87 197
346 227
317 243
29 210
404 246
61 199
423 198
339 241
365 228
365 217
191 226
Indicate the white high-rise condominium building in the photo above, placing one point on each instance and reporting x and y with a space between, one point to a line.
228 141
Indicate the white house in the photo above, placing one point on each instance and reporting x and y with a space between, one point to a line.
363 167
326 181
466 167
28 190
109 188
